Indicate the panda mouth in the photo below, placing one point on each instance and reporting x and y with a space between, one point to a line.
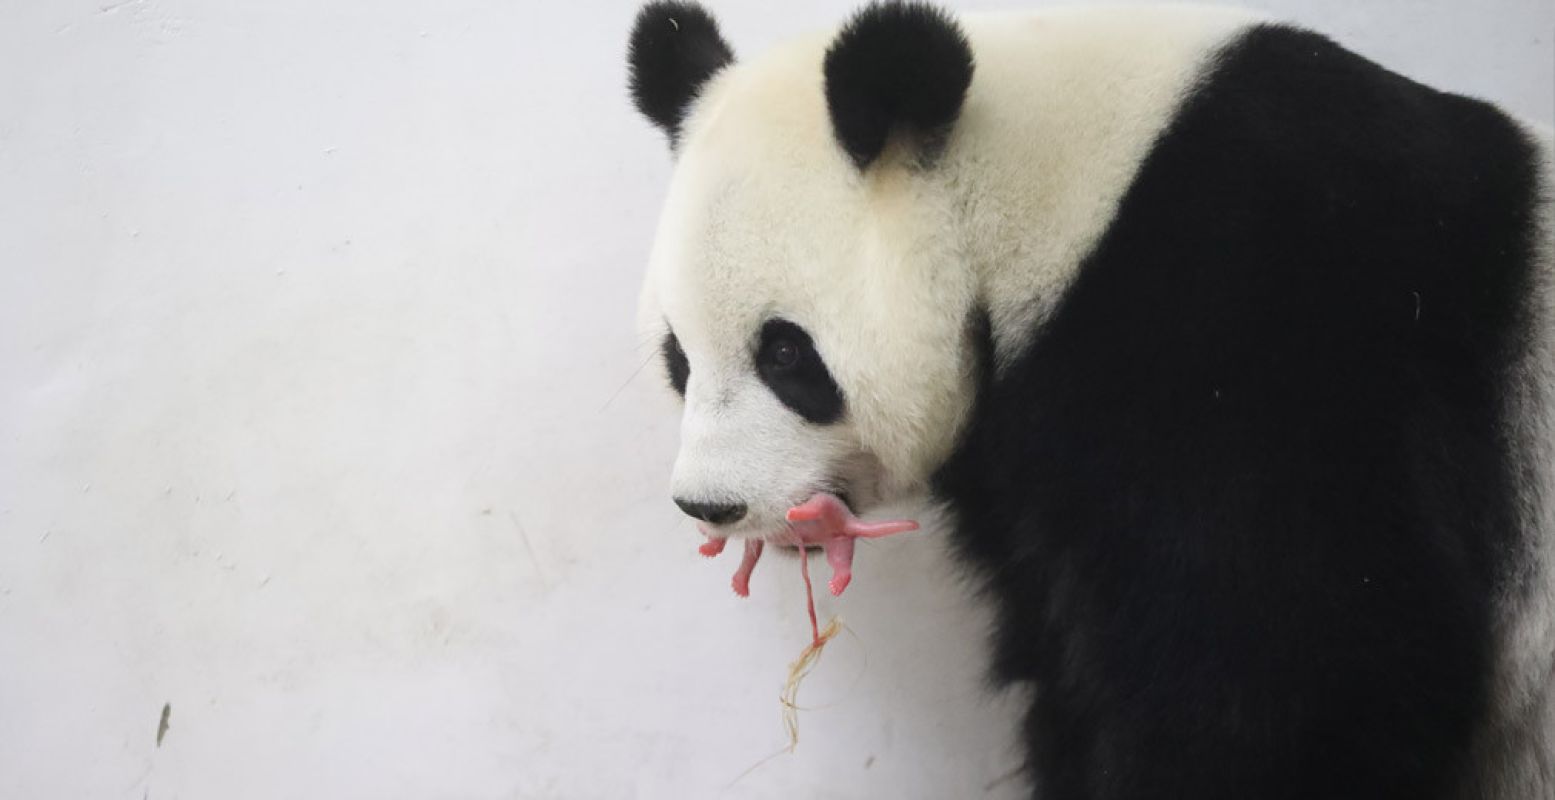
826 521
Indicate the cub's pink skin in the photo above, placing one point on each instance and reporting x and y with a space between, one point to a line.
822 520
742 575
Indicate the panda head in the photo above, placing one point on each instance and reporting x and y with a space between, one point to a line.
807 289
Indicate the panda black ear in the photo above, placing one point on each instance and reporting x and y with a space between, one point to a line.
896 67
675 48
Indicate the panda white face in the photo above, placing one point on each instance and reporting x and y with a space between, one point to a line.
764 428
812 314
746 290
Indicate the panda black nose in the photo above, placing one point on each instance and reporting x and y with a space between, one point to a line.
713 513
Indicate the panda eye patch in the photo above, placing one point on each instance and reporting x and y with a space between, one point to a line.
788 363
675 363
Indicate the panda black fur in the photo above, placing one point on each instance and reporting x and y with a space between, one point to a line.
1254 463
1262 446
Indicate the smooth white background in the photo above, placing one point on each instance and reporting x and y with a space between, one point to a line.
321 420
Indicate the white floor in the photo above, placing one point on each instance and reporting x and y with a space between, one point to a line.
322 424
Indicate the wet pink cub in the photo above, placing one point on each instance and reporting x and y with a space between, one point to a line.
822 520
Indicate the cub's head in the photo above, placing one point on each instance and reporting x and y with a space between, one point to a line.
807 288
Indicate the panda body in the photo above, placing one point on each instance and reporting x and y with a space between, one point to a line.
1229 355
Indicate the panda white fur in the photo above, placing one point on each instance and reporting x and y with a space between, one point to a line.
1230 355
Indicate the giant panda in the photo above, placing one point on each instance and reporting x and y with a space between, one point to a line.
1228 354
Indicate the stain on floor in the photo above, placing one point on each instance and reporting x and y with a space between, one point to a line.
162 726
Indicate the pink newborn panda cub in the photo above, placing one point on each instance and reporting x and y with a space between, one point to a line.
823 521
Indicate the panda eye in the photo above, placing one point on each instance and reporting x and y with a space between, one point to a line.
784 353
